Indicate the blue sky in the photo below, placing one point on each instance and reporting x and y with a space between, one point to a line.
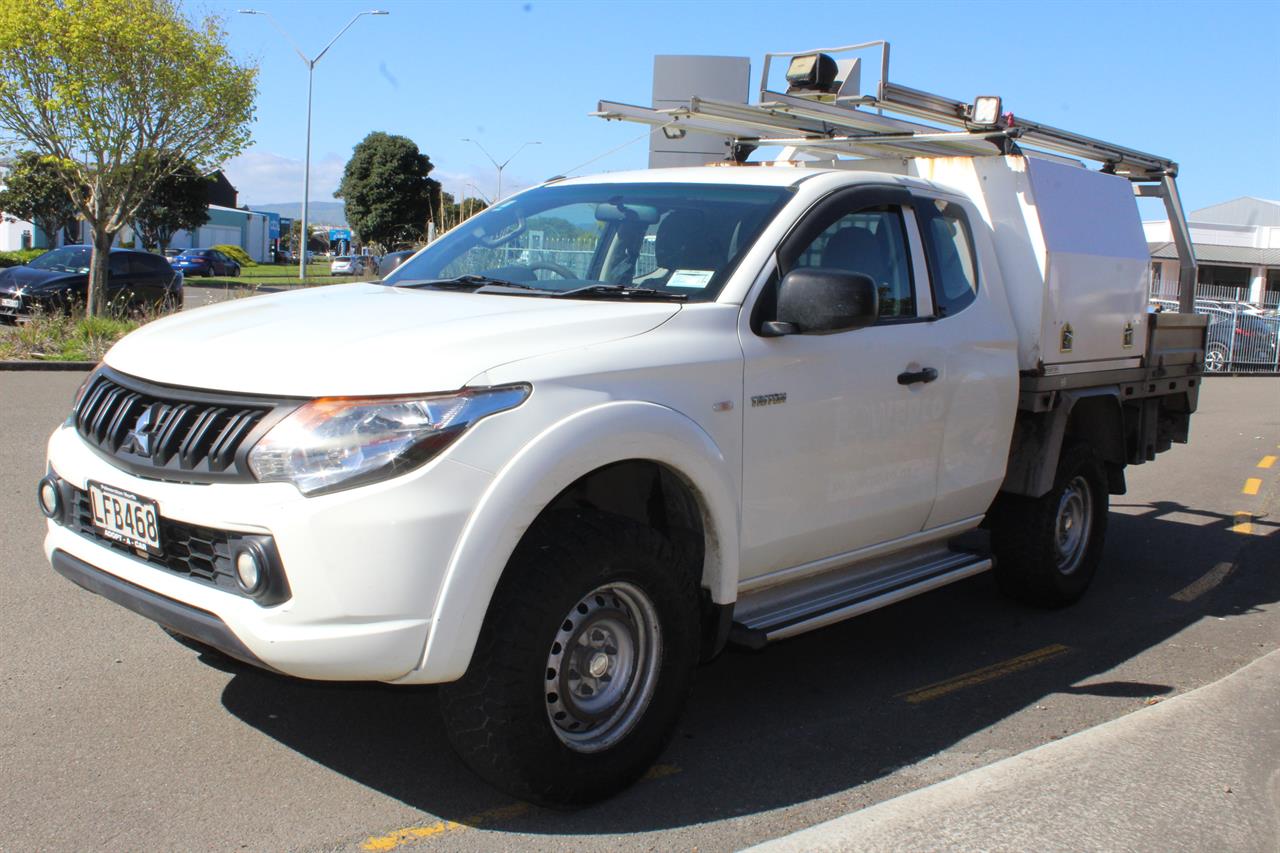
1197 82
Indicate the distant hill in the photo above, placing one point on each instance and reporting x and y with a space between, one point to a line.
318 212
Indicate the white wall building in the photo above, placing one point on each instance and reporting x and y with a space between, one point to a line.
1237 245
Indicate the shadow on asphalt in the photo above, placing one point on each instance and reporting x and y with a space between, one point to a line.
822 713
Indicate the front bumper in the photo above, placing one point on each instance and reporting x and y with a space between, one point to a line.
26 304
174 615
364 566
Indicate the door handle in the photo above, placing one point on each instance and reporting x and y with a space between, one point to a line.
924 374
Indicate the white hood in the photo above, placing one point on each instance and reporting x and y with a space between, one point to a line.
368 339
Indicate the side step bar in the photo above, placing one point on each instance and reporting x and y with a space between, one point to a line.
853 599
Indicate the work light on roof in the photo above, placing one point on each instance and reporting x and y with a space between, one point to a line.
811 72
985 111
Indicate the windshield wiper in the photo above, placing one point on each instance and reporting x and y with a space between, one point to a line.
623 291
470 281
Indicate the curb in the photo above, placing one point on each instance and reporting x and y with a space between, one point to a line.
1197 768
48 365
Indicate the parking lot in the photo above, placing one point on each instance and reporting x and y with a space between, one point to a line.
117 737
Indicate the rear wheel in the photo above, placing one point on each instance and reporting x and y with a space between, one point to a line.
1048 548
583 665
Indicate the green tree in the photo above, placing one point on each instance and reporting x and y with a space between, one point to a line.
387 189
34 191
119 92
178 202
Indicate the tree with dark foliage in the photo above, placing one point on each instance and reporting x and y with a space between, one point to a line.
387 189
176 203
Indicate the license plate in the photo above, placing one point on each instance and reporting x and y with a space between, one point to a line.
11 303
125 517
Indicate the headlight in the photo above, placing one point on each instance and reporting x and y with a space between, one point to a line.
339 442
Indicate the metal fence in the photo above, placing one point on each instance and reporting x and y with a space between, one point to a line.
1243 337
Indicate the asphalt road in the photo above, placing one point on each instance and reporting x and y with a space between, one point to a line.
116 737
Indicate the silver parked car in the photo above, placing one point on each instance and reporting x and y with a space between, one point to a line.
353 265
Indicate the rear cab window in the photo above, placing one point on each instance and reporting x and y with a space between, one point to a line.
953 267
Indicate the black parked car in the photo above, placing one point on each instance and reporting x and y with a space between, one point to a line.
391 260
59 279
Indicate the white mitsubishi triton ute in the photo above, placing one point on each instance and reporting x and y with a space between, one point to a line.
591 435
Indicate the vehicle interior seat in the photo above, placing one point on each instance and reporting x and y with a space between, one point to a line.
685 240
858 250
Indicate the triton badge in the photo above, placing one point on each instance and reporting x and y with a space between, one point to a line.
768 399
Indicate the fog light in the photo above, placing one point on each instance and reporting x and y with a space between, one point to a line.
49 498
250 570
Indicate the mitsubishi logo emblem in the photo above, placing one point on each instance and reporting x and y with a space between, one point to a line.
138 439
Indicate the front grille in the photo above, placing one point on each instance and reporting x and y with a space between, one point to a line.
171 433
200 553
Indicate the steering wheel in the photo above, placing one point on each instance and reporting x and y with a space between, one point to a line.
563 272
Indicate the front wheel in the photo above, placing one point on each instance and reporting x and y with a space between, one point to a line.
1048 548
583 665
1215 358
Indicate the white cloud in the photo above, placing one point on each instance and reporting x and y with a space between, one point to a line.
263 177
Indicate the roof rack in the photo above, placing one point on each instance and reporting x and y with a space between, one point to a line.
822 115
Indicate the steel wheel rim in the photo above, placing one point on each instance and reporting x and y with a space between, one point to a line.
603 667
1073 524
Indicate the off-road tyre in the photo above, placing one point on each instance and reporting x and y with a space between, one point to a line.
1037 561
499 715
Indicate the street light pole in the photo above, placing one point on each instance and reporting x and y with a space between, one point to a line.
498 196
479 194
303 236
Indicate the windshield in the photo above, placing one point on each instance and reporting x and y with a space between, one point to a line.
678 239
66 259
195 253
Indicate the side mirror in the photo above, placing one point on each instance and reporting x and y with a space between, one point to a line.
818 301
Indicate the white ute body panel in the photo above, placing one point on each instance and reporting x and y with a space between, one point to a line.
391 581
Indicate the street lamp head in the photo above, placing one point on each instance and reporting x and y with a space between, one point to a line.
249 12
377 12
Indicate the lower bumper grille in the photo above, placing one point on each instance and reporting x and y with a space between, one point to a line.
202 554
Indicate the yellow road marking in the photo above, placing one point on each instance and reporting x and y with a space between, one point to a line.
410 834
983 675
661 771
1267 461
1244 523
1251 486
1211 579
